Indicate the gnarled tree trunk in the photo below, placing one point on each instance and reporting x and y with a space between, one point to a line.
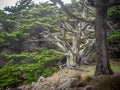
75 60
74 40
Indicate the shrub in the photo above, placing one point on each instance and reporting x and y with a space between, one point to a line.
115 36
27 67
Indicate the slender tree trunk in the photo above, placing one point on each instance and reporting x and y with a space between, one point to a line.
103 64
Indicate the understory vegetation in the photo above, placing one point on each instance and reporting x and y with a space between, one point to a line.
25 68
115 36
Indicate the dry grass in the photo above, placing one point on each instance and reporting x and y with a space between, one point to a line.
61 76
88 71
115 65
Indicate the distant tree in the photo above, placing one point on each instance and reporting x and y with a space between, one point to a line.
11 35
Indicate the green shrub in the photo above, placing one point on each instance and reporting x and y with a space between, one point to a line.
115 36
48 71
27 67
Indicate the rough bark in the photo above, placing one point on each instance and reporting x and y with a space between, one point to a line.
103 64
71 61
83 57
87 53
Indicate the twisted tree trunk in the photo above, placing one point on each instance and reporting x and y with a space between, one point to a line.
75 60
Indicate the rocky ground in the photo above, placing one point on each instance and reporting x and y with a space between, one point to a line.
67 79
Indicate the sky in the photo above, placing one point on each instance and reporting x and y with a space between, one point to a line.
4 3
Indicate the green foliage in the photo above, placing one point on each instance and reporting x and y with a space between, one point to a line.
49 71
115 36
114 10
7 39
114 13
29 69
18 23
26 20
2 36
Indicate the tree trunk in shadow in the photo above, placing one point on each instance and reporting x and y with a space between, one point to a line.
103 64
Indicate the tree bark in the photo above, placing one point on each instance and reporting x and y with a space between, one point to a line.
76 59
72 61
87 53
103 64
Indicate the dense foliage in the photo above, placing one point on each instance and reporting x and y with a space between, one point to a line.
115 36
114 14
24 59
27 67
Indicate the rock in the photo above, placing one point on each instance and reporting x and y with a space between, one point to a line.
7 88
24 87
72 82
33 84
41 79
52 88
45 87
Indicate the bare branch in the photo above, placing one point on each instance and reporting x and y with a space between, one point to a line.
110 27
85 27
58 52
66 10
69 28
85 37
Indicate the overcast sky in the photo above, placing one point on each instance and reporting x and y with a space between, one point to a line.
4 3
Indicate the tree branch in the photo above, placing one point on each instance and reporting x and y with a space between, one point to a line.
66 10
110 27
59 52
